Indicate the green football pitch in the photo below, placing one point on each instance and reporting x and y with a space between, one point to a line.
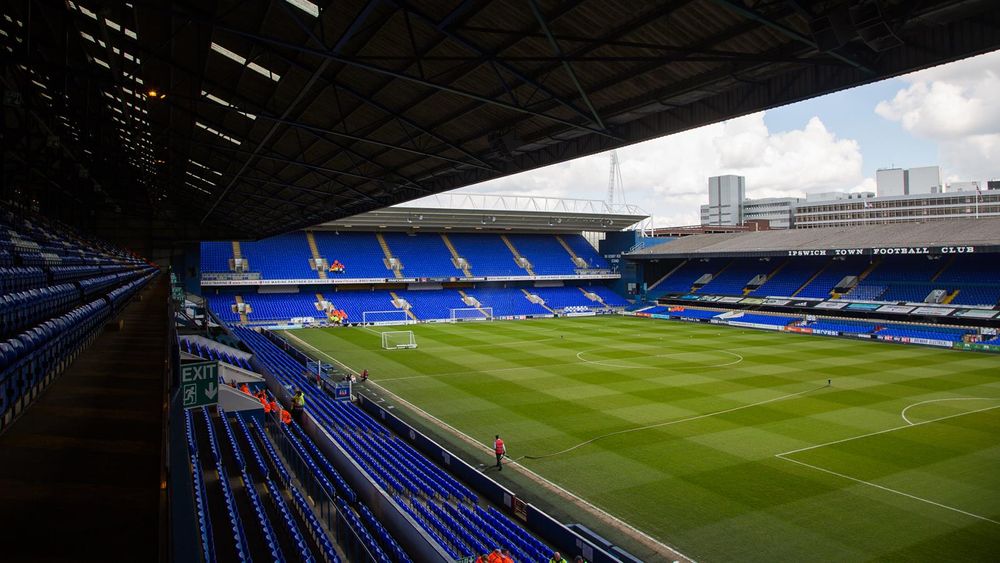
726 444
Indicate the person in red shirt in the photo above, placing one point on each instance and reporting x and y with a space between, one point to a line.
501 450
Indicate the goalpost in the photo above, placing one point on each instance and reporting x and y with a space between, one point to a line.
397 339
471 314
386 318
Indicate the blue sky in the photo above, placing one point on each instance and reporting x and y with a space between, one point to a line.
851 114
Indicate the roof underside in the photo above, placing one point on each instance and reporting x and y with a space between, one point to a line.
437 219
277 117
957 233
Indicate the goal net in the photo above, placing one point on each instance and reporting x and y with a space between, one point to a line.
472 314
396 339
385 318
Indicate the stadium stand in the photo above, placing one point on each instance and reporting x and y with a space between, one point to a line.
281 257
424 255
360 254
443 506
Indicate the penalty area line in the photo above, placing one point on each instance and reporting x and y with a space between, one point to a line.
887 489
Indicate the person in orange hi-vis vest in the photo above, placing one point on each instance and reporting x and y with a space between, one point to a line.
506 556
495 556
267 406
245 388
500 450
274 406
286 417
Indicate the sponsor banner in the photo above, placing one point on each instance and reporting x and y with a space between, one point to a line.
777 302
924 341
691 297
831 305
824 332
894 309
898 250
730 299
860 335
755 325
863 306
581 314
752 301
799 329
219 276
976 313
976 347
660 316
647 315
207 282
933 311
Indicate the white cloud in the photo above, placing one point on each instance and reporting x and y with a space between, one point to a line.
668 177
958 106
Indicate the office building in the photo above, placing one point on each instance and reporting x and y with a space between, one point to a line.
852 211
911 181
725 199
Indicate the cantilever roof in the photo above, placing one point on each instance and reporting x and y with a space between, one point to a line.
302 112
957 233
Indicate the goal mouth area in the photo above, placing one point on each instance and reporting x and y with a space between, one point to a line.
470 314
392 317
398 340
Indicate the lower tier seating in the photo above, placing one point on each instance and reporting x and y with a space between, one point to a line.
444 507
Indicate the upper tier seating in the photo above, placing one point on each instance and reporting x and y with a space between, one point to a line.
546 255
360 254
487 255
282 257
215 256
585 250
424 255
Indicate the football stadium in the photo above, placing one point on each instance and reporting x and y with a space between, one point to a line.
244 317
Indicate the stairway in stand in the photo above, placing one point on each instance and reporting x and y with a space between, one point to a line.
243 315
579 262
391 262
521 261
457 260
321 268
395 301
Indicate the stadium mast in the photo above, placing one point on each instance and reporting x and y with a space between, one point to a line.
615 184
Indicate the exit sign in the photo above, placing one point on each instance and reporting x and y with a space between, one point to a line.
199 384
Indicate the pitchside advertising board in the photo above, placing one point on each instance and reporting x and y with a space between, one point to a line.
199 384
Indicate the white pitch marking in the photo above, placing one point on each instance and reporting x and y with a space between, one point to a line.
903 413
893 429
887 489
